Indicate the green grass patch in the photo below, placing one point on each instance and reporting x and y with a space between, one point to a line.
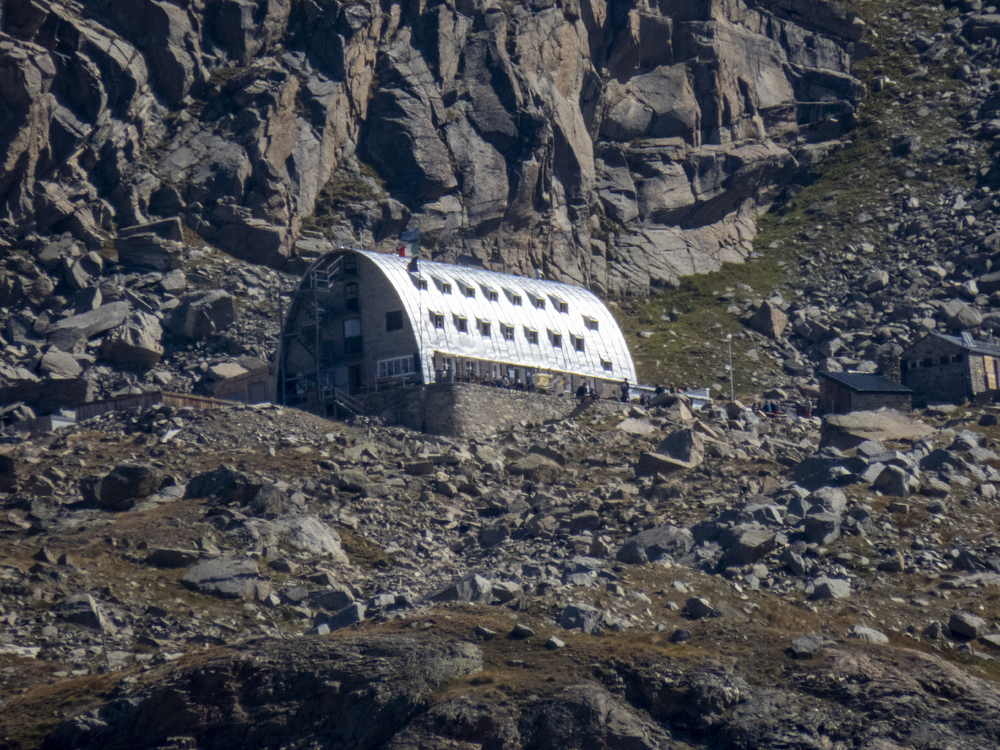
341 190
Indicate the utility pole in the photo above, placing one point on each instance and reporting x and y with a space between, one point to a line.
732 387
280 385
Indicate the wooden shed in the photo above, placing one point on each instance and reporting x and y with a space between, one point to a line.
843 392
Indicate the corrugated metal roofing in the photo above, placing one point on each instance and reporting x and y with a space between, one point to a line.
979 347
548 308
859 382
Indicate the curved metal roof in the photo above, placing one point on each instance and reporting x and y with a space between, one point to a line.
567 311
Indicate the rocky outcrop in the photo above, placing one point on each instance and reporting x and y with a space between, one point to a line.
360 691
616 146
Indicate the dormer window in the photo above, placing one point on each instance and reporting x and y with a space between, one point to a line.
494 296
516 300
445 287
577 343
484 327
462 324
591 323
557 341
539 303
437 320
507 332
469 291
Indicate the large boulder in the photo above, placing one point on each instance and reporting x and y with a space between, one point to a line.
151 247
583 616
89 324
684 445
227 577
846 431
304 533
201 315
653 543
119 490
224 485
751 545
874 281
683 449
60 365
135 342
769 320
470 588
81 609
959 316
536 468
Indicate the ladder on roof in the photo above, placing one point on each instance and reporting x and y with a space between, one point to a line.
323 278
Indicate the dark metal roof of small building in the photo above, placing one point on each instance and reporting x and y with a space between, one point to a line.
979 347
861 383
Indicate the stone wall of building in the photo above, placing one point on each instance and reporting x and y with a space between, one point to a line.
876 401
929 371
467 410
835 398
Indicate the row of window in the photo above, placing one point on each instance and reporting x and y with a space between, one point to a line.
401 366
913 364
517 300
394 322
395 368
506 331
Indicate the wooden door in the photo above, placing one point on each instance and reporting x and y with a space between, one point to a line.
355 375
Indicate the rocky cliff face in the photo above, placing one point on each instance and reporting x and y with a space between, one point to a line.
616 145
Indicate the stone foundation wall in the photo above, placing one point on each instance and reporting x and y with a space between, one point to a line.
466 410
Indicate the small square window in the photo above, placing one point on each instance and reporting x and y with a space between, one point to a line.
422 284
351 297
927 362
563 307
470 291
445 288
532 337
394 320
516 300
591 323
606 364
462 324
494 296
539 303
578 343
507 332
557 341
485 328
437 320
956 358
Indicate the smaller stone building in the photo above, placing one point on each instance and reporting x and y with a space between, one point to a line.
844 392
940 367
